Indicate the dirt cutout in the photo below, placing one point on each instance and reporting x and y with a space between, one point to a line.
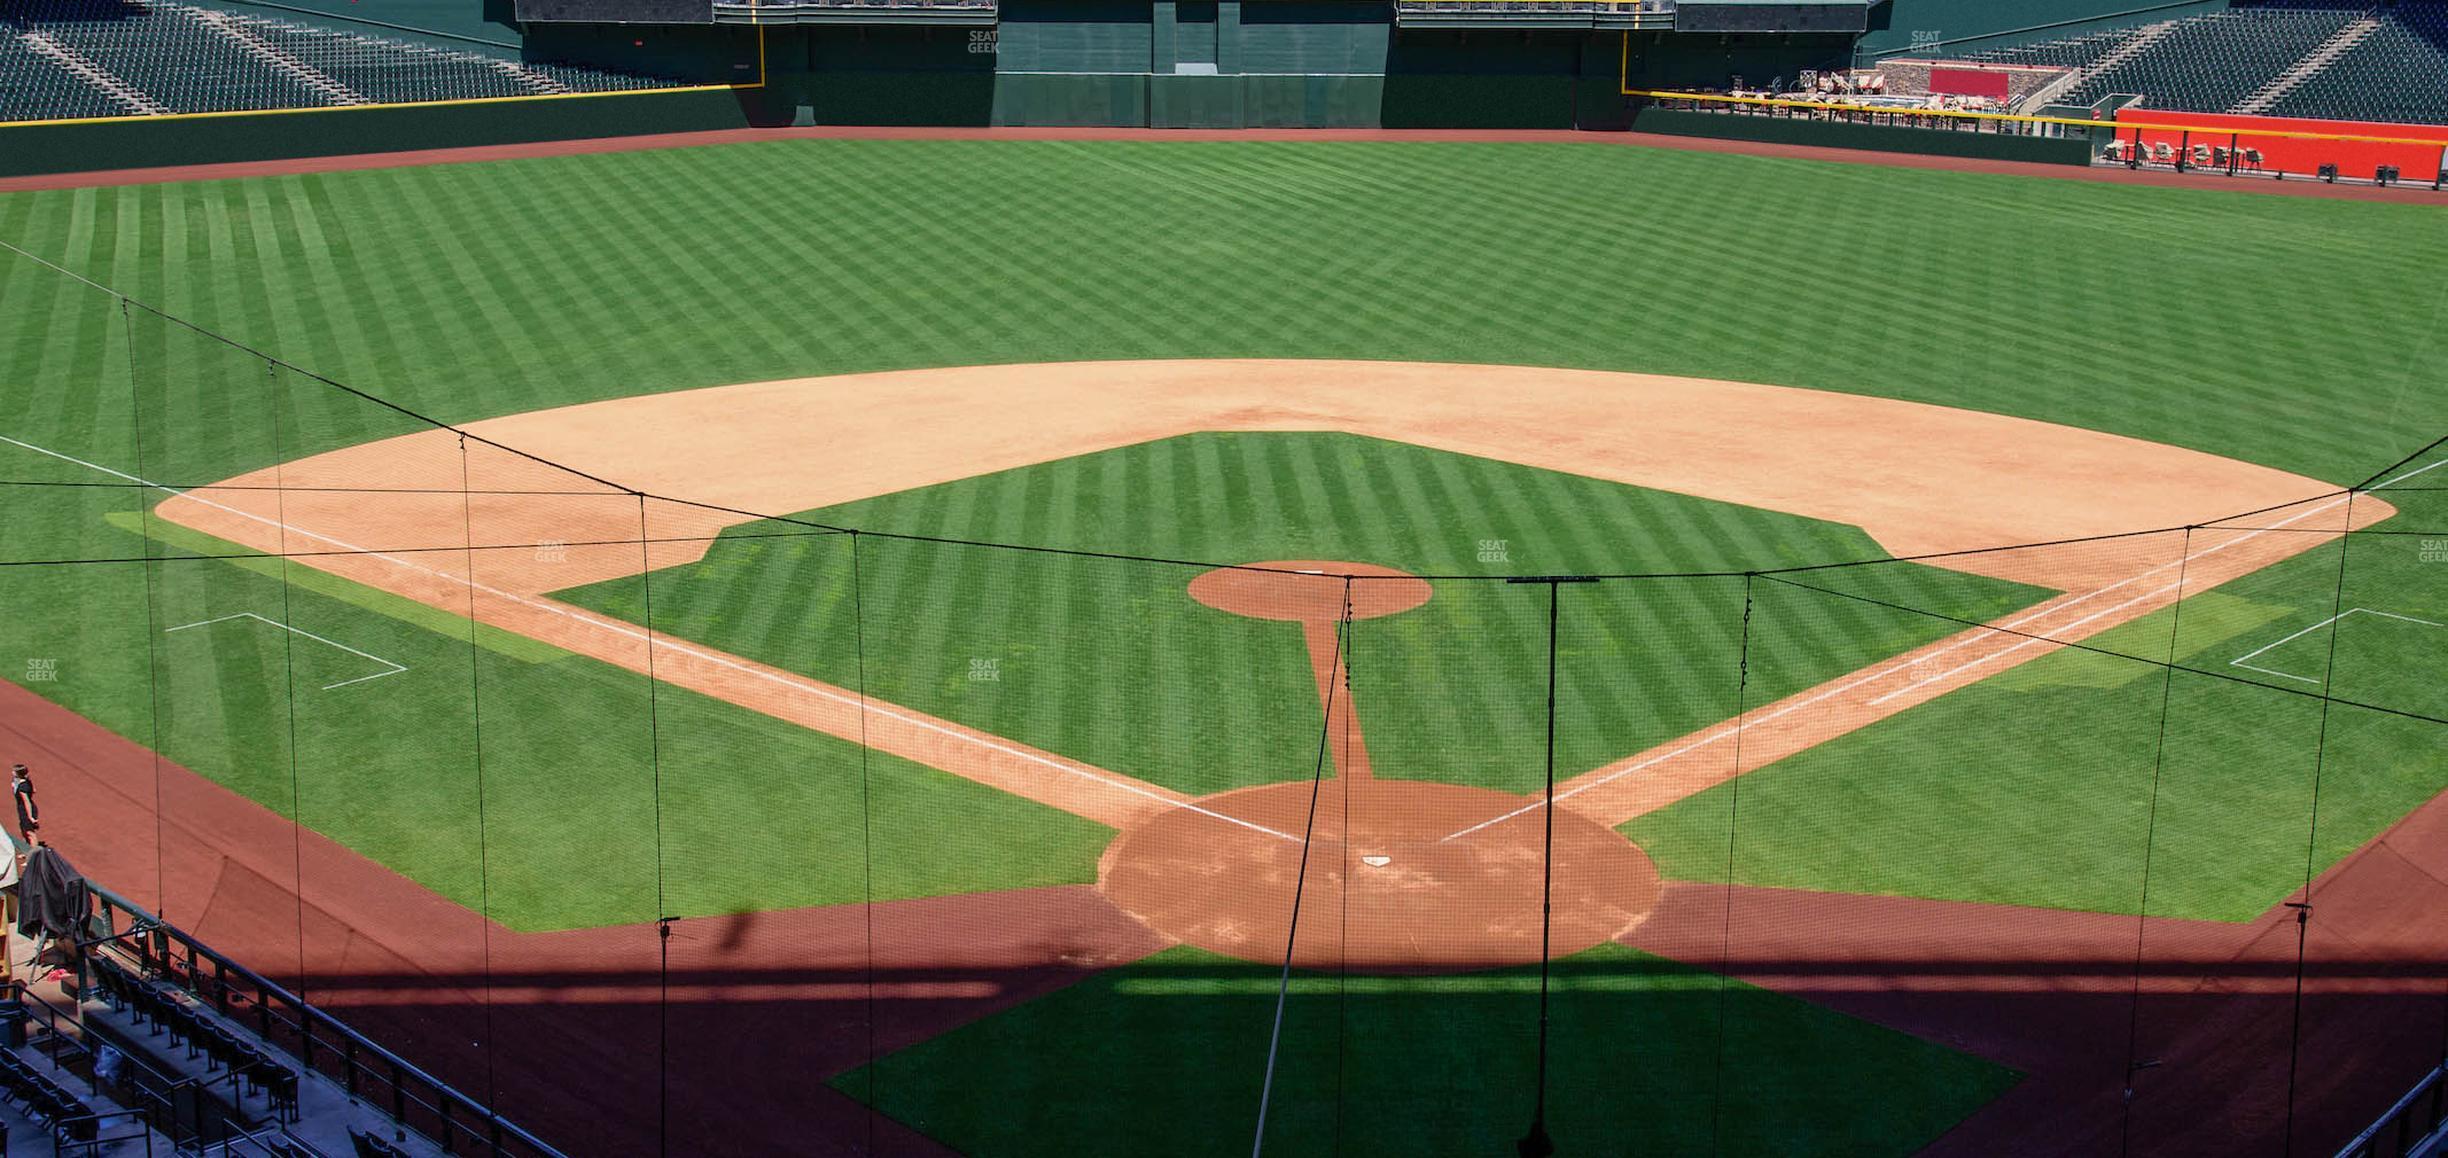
1918 478
1374 885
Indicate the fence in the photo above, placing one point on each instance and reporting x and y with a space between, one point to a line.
660 823
2178 142
319 1041
2414 1120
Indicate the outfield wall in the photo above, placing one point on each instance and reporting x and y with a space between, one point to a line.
1846 135
1165 64
147 142
2300 154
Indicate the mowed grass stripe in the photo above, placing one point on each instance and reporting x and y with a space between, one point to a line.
1133 267
1110 663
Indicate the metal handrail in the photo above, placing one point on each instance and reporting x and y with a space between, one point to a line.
151 939
2410 1129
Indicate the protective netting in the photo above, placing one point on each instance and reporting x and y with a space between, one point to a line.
658 824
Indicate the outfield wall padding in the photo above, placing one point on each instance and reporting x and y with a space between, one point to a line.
2300 154
1843 135
149 142
1064 99
1186 102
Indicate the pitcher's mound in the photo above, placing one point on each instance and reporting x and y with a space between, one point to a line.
1385 891
1309 590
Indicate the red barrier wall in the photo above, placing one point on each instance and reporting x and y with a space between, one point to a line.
1970 82
2416 162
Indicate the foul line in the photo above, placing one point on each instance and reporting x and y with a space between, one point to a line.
718 659
395 667
1968 639
2239 660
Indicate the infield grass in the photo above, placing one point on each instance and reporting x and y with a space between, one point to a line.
1111 662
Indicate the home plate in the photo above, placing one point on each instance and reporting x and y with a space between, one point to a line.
1376 861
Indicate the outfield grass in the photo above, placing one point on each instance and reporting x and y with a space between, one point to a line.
2059 782
473 290
468 291
1647 1055
1112 663
481 289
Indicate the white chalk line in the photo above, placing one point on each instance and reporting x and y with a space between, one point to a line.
2239 660
1966 639
802 686
395 666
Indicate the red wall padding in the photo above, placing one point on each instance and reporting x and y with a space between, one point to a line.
1969 82
2416 162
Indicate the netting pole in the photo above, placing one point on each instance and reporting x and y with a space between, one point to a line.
2134 1064
1343 860
1536 1143
297 804
484 867
1300 881
152 630
858 618
2320 754
1725 936
663 915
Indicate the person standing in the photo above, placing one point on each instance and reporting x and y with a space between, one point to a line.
29 814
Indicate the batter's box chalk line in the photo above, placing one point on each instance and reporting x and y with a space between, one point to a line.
2244 660
396 668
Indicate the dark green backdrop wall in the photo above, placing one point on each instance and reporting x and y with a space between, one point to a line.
144 142
1958 24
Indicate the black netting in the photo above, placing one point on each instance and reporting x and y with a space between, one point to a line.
662 825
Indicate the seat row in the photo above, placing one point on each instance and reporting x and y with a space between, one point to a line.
48 1103
368 1145
158 1006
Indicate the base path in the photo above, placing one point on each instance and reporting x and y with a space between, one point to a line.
567 1033
1920 479
1378 891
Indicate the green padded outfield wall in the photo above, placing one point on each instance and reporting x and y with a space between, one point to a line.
840 74
145 142
1191 63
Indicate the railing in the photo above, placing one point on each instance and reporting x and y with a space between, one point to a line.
89 1134
321 1042
1593 7
1650 15
156 1098
2414 1120
2194 147
960 12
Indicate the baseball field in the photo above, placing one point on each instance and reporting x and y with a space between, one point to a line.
1143 647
